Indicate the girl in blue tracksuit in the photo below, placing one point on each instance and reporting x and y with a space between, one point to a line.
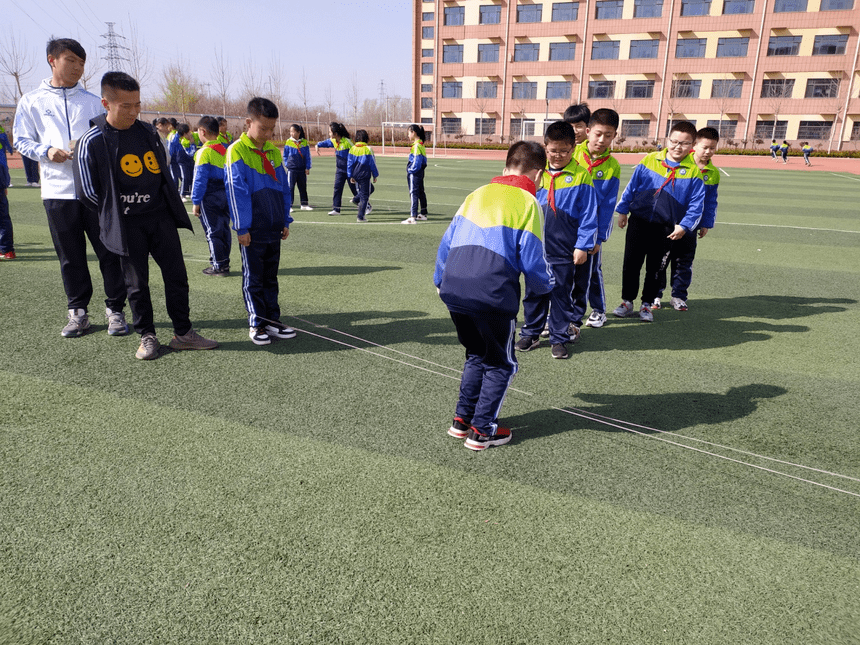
182 151
340 142
415 174
297 160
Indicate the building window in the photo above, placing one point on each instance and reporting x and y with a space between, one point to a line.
427 33
452 53
565 11
426 103
766 130
837 5
427 16
639 90
635 127
452 89
524 90
529 12
647 8
783 45
426 68
558 90
727 128
822 88
608 9
451 125
605 50
685 89
562 51
490 14
601 89
426 119
830 45
522 127
734 7
727 89
488 53
814 129
426 53
455 16
644 48
691 48
485 126
855 131
486 89
426 87
526 52
732 47
786 6
772 88
695 7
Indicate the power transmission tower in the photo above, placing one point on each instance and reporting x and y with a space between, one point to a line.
114 58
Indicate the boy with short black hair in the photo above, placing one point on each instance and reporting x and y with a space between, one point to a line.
664 200
182 149
578 116
209 197
570 219
495 237
360 168
258 195
224 135
806 150
594 154
120 170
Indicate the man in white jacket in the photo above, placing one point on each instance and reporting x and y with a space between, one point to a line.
48 122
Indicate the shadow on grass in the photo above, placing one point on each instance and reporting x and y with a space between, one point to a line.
667 412
719 322
333 270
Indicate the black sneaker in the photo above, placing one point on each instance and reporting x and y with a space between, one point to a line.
527 343
279 331
221 273
559 351
259 336
459 428
477 440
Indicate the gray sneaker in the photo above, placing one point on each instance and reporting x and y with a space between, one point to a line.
149 347
679 305
192 340
624 309
116 323
78 323
596 319
645 314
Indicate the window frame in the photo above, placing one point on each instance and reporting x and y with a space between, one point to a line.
723 44
630 88
521 85
569 45
653 45
529 11
524 51
701 44
614 45
456 11
454 52
564 8
596 90
455 86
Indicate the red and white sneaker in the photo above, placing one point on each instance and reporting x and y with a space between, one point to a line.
477 440
8 256
459 429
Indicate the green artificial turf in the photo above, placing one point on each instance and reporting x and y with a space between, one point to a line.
306 492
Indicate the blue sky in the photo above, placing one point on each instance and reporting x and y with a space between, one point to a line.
330 40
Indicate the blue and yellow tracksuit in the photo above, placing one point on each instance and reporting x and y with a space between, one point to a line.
182 151
569 201
297 159
6 238
605 173
660 195
259 199
341 153
783 150
361 166
225 137
495 237
774 148
209 192
415 178
807 150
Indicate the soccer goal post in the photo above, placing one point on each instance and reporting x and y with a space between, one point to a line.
397 129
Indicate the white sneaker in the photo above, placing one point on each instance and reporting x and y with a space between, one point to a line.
596 319
307 208
333 212
679 305
544 333
656 304
259 335
369 209
645 314
78 323
409 220
421 218
624 309
277 330
184 200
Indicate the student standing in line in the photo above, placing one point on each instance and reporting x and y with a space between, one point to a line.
297 159
209 197
415 175
341 143
360 169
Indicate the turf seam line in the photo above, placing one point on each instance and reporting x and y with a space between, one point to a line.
705 452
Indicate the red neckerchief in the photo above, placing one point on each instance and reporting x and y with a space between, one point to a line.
551 190
593 164
669 178
519 181
219 148
267 165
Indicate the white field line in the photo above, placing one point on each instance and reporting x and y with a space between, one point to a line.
799 228
722 170
845 176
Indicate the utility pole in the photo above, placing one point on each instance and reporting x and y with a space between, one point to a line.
114 56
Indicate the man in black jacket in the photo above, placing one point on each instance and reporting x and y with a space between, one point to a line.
121 171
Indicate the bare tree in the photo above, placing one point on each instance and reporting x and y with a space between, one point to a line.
139 62
92 70
328 99
729 90
15 61
836 105
352 94
303 94
221 78
180 91
277 86
251 80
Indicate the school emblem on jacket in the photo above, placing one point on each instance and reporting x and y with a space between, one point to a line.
705 177
48 112
599 174
568 179
683 172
